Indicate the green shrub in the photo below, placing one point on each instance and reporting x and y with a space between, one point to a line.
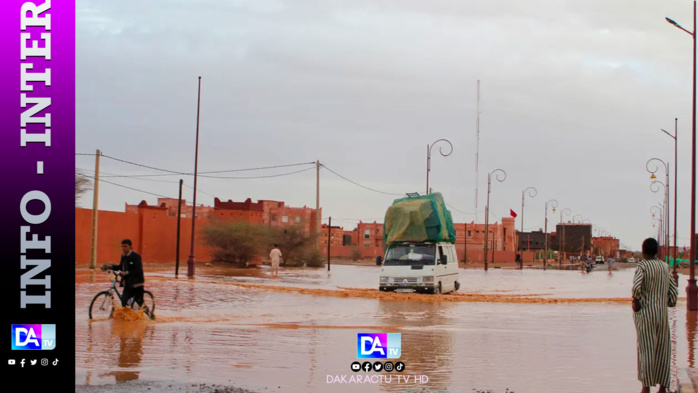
313 258
235 242
292 243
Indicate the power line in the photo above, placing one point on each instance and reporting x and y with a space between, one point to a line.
199 190
256 177
130 188
460 211
143 166
136 189
355 183
135 177
261 168
170 172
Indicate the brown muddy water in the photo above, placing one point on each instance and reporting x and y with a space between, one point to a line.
528 331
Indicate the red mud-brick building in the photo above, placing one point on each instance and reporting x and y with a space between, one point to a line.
153 228
605 246
470 240
153 231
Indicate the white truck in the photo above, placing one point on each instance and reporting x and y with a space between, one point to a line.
419 267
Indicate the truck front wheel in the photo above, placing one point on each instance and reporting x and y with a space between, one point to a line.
437 289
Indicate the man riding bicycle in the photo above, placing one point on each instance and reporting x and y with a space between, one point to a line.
131 270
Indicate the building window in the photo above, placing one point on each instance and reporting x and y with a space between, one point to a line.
367 245
284 218
273 217
298 219
470 233
367 234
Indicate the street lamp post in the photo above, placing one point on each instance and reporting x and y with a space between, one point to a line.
561 240
665 185
574 219
191 262
658 210
532 192
545 257
676 182
487 207
692 289
429 147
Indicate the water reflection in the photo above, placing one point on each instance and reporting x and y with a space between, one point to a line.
209 330
130 335
691 324
426 348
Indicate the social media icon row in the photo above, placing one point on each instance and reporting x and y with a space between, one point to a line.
32 362
377 366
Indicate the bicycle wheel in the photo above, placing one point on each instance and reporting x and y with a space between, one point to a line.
149 304
101 306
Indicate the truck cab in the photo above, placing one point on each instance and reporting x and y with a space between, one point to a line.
419 267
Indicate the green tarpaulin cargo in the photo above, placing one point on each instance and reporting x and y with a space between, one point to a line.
419 219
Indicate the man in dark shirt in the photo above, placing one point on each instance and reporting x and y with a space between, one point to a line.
131 270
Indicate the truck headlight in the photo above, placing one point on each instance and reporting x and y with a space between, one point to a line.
428 279
384 279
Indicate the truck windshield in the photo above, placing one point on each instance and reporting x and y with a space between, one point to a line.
410 254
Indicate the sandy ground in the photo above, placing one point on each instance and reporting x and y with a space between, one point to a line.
164 387
158 387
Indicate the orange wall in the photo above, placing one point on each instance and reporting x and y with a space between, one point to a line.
152 231
112 228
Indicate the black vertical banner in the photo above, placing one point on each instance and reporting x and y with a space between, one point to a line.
37 214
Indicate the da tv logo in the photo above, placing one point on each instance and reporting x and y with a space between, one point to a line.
378 345
36 337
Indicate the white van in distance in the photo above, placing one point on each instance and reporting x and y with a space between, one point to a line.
419 267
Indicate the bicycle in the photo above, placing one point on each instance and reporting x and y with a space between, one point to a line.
102 304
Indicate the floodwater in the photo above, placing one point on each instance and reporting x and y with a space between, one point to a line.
528 331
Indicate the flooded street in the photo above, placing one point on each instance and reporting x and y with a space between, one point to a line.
528 331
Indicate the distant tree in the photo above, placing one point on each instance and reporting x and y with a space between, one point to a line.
235 242
355 253
82 185
292 242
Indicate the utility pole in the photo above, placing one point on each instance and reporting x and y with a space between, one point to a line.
477 152
179 219
329 242
465 243
191 262
317 204
95 209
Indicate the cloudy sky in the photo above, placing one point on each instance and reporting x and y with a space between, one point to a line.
573 96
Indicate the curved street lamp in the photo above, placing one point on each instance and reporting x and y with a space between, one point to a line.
654 188
658 212
691 288
574 219
532 192
676 182
487 207
429 147
561 240
545 256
